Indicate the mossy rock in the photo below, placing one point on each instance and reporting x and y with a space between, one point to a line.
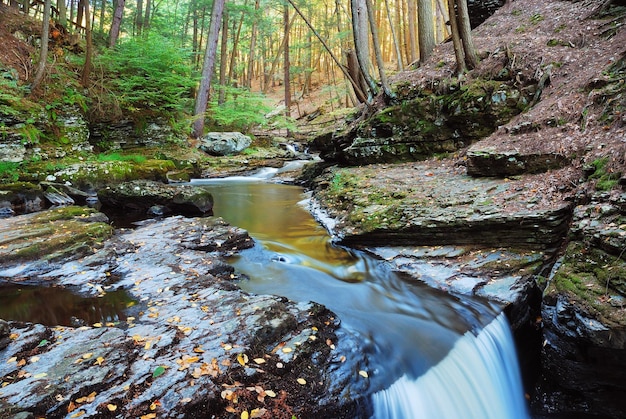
593 279
53 234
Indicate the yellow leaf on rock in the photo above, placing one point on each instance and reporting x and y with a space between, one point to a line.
99 361
111 407
287 349
149 416
12 360
87 355
242 359
245 415
301 381
259 360
78 414
198 350
258 412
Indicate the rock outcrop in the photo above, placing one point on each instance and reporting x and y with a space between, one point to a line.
141 195
192 343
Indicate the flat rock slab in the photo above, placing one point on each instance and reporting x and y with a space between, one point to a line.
436 203
193 342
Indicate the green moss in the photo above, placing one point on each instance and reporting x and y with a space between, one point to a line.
52 234
605 179
591 277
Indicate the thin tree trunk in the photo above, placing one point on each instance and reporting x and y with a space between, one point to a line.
43 55
354 84
202 99
147 15
281 48
465 30
286 82
377 52
223 54
456 39
233 57
117 22
89 47
103 6
80 14
139 17
252 50
412 29
394 36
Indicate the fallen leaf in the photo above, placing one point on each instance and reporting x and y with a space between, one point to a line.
258 412
78 414
363 374
158 371
14 336
270 393
245 415
12 360
149 416
198 349
87 355
301 381
99 361
40 375
111 407
287 349
97 324
259 360
242 359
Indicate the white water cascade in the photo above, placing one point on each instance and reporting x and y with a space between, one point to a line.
478 379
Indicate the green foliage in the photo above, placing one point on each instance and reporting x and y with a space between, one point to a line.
144 76
8 171
241 110
536 18
136 158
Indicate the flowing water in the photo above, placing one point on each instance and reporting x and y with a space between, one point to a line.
430 354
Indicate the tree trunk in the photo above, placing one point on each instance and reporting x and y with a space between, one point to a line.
377 53
62 8
89 47
117 22
394 36
456 39
43 55
139 18
80 14
412 29
286 82
233 54
465 30
147 15
103 6
253 35
361 40
223 55
425 29
202 99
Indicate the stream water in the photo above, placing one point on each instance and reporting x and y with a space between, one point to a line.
430 354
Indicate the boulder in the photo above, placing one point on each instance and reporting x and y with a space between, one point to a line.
141 195
224 143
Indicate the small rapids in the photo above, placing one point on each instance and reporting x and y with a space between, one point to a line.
429 354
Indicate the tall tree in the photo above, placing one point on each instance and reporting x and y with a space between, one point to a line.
394 37
202 100
465 29
377 52
89 47
43 54
117 22
286 65
425 28
361 40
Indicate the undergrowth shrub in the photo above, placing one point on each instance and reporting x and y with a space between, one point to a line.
142 77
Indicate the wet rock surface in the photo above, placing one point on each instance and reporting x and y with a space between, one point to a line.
141 195
193 345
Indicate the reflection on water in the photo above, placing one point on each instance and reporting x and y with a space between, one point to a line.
403 320
59 307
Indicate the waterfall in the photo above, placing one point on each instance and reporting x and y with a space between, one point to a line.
478 379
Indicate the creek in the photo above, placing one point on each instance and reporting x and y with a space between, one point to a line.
429 353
